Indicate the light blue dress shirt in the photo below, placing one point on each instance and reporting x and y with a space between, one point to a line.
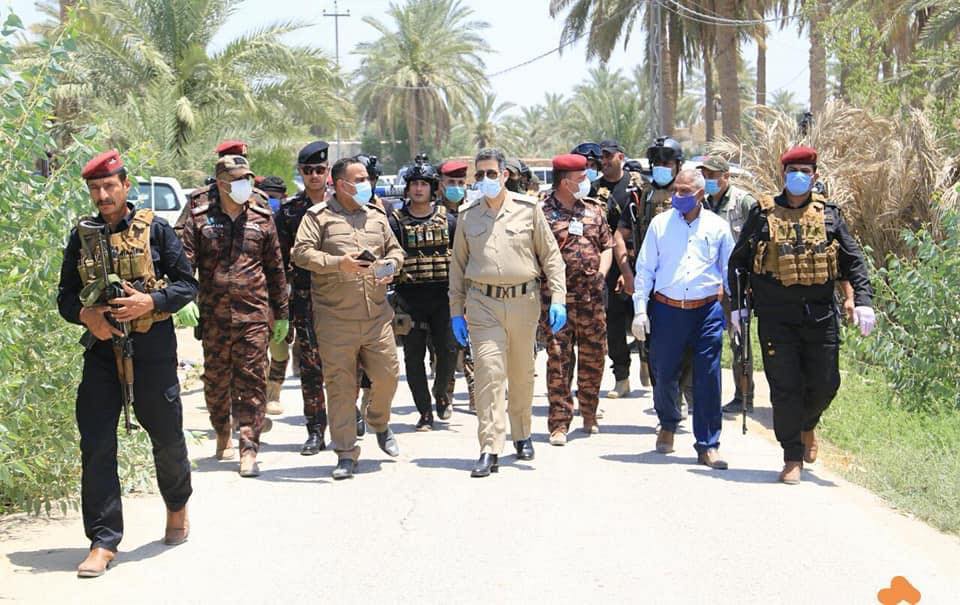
683 261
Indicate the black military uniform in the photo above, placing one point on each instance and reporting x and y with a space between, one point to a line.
794 256
156 387
422 291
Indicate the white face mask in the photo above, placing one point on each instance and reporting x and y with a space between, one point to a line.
583 188
240 191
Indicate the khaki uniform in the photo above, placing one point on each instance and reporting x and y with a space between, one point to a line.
498 257
351 314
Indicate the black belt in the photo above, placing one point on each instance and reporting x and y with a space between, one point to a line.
508 291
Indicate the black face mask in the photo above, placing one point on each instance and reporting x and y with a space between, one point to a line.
514 186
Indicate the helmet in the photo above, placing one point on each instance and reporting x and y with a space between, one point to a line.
665 149
421 172
372 165
591 151
633 166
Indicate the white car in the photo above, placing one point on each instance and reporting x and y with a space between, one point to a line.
161 194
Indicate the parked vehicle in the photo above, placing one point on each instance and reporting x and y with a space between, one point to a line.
161 194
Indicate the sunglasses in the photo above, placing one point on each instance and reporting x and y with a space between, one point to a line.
309 169
490 174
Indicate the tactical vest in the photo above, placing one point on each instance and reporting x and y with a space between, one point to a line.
798 252
426 246
635 186
133 262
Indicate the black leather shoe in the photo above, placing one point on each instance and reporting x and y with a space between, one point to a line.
425 423
345 469
443 409
388 443
361 425
314 443
524 449
485 465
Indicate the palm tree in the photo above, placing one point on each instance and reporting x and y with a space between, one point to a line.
484 122
610 106
423 71
785 101
162 67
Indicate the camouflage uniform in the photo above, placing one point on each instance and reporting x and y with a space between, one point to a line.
586 327
301 312
241 286
202 196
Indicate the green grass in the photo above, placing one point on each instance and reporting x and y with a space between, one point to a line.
909 459
726 357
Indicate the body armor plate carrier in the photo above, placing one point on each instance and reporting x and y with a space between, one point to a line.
798 252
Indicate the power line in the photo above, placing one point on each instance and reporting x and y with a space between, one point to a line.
707 18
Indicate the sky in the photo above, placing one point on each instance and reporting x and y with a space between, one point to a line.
519 30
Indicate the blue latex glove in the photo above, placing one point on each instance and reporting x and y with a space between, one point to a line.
459 326
280 329
557 317
187 317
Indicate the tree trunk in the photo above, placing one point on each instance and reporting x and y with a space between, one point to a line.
709 95
761 38
675 42
667 85
818 57
727 53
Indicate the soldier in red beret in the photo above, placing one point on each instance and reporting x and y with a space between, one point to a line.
231 147
579 224
791 252
157 281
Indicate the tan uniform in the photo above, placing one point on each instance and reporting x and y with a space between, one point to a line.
351 315
498 257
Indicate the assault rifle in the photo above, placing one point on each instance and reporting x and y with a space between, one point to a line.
741 341
107 286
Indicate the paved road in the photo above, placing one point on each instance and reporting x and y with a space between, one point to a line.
603 519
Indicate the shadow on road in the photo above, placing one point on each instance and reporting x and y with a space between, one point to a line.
466 464
652 457
748 475
66 559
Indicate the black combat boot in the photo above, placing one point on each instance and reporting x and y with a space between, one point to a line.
314 443
361 425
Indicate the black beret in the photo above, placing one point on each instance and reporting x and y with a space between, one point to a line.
313 153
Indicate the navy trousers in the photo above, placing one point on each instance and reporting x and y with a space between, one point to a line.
672 332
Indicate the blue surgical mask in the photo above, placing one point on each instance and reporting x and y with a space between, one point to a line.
711 186
662 175
798 183
684 203
490 187
454 194
363 194
592 174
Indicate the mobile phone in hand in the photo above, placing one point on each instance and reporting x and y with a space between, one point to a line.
383 270
367 256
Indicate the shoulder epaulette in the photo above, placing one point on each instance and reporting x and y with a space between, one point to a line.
200 210
766 203
593 200
526 199
261 210
317 208
376 208
468 205
200 191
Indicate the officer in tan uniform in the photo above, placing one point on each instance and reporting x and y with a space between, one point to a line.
502 246
347 244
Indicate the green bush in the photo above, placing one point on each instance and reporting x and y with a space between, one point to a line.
40 358
917 344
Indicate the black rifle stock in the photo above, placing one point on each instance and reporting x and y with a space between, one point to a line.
742 347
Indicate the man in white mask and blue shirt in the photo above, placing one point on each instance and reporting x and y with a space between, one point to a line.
682 272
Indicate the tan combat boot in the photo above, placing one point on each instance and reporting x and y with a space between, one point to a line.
96 563
178 527
791 473
810 446
248 464
665 441
620 389
558 437
274 407
225 449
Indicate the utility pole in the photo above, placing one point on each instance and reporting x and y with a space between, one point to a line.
336 14
654 45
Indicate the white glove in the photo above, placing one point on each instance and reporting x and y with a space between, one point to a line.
865 319
735 317
640 326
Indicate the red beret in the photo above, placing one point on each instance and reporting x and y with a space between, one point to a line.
454 168
569 162
103 165
231 147
799 155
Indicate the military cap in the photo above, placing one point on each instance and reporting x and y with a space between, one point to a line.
454 168
313 153
103 165
513 164
715 163
273 184
229 163
799 155
611 145
231 147
569 162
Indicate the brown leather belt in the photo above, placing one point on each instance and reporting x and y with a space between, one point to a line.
684 304
507 291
